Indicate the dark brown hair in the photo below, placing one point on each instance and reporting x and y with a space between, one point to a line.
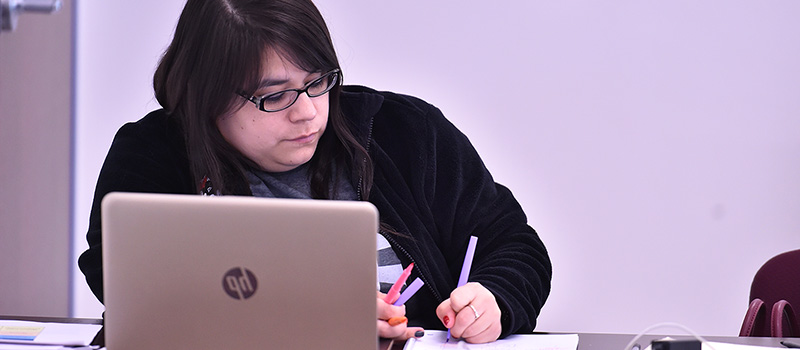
217 52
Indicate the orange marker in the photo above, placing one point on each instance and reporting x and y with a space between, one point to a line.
394 321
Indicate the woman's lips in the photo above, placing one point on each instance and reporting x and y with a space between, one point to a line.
305 138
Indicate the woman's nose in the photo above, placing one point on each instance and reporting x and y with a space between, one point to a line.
303 109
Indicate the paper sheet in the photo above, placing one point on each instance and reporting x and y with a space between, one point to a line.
46 333
436 340
42 347
726 346
729 346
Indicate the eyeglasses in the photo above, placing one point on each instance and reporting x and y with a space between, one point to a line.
278 101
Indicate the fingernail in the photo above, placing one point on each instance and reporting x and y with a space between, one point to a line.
419 334
394 321
446 320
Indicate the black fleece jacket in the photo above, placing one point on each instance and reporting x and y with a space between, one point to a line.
430 186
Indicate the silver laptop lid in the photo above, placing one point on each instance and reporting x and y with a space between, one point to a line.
195 272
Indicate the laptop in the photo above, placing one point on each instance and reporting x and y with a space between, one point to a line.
232 272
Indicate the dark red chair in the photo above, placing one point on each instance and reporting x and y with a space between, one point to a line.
775 299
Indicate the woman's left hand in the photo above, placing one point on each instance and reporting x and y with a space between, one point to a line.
471 313
392 322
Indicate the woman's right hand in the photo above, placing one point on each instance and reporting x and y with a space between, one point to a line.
392 323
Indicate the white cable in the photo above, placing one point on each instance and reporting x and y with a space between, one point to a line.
667 325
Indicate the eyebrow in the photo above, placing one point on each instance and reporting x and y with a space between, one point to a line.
271 82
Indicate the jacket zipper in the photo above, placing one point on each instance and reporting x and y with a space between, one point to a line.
366 148
385 234
421 275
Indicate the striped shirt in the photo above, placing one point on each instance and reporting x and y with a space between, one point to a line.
295 184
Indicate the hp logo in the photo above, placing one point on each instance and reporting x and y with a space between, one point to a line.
240 283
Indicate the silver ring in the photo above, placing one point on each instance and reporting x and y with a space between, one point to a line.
475 311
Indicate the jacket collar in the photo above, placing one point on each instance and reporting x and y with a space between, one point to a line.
360 104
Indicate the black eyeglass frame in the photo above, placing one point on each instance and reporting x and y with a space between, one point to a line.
259 101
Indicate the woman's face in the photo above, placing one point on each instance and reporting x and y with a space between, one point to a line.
278 141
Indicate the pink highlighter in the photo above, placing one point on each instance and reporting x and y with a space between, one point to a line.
395 290
407 294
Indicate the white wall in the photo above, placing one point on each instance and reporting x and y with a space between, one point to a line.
35 164
654 145
118 46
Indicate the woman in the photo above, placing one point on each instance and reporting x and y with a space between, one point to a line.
253 105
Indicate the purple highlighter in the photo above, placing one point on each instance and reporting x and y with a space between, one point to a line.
462 280
409 292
